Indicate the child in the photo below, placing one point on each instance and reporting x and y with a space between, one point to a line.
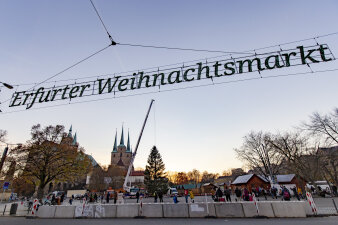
192 196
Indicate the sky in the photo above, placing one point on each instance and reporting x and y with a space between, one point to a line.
192 128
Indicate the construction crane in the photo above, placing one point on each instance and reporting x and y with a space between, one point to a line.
125 186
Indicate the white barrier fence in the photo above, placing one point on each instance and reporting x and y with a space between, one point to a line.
170 210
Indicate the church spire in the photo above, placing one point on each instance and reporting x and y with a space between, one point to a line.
70 131
115 143
74 139
122 137
128 144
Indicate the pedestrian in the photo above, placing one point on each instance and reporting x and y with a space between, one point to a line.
115 197
219 194
274 192
108 196
70 201
227 193
155 197
62 197
264 193
192 197
186 194
295 193
160 196
286 194
246 194
53 199
95 197
238 194
137 196
257 191
175 199
334 190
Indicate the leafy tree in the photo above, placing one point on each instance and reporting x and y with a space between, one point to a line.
208 177
154 175
96 181
194 176
50 156
181 178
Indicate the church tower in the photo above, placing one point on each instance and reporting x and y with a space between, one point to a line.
121 154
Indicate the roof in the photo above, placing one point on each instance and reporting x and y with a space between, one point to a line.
242 179
285 178
92 160
115 143
245 179
137 173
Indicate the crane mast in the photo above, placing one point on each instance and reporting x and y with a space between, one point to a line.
135 151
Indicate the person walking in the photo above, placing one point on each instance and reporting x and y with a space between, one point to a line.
155 197
108 196
227 193
175 199
219 194
160 196
295 193
246 194
137 196
238 194
264 193
286 194
274 192
192 197
115 197
186 194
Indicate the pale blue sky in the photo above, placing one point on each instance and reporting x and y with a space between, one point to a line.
195 128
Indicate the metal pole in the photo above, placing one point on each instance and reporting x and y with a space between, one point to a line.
137 144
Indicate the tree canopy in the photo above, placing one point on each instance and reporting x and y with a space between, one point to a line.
50 156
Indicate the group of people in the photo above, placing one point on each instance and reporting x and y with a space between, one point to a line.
218 195
245 195
157 195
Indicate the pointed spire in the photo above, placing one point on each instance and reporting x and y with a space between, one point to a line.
115 143
122 137
70 131
74 140
128 144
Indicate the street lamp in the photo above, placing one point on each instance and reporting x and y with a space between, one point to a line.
7 85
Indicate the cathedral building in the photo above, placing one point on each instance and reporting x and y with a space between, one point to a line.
121 154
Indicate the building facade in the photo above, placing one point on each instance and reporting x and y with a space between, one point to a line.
121 154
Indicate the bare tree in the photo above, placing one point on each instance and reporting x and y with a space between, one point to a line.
300 156
324 126
258 154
